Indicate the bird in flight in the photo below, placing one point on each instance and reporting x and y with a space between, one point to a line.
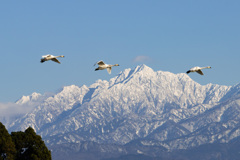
197 69
50 57
102 66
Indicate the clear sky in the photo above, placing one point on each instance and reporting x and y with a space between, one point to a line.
167 35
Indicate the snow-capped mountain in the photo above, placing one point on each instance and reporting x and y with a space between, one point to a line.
137 106
27 99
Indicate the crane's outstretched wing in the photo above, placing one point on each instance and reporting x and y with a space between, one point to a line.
200 72
55 60
45 56
99 63
109 70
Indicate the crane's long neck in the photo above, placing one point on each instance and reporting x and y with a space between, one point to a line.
59 56
110 65
205 67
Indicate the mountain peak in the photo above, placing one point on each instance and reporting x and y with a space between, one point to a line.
144 68
24 99
127 74
67 88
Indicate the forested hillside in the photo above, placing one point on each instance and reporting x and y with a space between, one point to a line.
22 145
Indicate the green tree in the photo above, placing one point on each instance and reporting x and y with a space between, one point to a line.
7 147
29 145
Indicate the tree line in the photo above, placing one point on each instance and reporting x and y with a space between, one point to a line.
22 145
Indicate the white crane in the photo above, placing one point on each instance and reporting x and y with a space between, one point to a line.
50 57
102 66
197 69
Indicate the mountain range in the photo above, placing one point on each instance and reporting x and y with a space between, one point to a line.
140 112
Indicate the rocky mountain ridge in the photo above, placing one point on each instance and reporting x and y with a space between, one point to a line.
138 106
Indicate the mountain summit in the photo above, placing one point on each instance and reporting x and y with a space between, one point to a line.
137 106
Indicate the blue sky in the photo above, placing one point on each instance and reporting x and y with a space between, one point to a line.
168 35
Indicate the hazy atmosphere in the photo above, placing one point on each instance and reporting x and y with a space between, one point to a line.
170 36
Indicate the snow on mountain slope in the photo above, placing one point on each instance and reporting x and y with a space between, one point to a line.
138 103
50 108
219 124
25 99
